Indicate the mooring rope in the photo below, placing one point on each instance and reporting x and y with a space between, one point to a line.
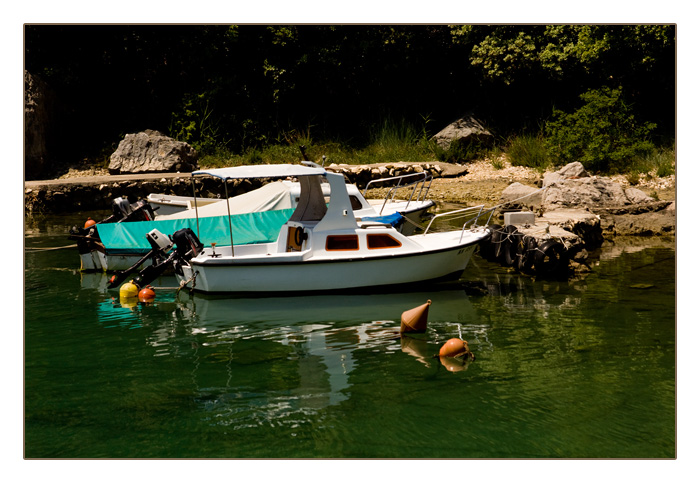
49 248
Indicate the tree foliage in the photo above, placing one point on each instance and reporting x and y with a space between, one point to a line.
243 87
602 134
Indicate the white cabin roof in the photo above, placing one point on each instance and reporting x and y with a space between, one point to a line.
261 171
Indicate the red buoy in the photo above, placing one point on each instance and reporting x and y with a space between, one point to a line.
89 223
147 294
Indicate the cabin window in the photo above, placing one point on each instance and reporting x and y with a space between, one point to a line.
382 240
342 242
356 203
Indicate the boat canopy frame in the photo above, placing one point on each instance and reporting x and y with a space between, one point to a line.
272 171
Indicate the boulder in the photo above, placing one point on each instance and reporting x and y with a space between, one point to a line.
520 195
37 106
588 192
635 195
464 129
152 152
573 170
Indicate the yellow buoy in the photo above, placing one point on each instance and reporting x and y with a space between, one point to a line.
128 290
415 320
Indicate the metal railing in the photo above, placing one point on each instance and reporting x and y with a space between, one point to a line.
420 179
463 212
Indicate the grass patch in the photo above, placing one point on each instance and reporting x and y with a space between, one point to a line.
660 161
390 142
529 151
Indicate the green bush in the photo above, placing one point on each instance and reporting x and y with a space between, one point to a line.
602 134
527 150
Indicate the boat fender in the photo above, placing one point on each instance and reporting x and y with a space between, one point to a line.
300 235
550 257
509 244
456 348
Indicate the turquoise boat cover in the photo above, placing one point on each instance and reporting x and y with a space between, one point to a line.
257 227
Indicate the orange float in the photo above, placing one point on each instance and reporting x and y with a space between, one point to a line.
415 320
89 223
147 294
455 348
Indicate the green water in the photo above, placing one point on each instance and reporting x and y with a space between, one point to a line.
578 369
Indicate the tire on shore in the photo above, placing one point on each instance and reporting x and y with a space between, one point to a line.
550 258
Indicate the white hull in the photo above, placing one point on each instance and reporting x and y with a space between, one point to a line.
91 261
257 274
115 263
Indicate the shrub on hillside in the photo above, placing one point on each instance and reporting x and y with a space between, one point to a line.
602 134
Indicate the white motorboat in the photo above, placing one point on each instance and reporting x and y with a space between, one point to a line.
324 247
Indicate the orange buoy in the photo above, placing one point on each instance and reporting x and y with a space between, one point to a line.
89 223
454 348
415 320
147 294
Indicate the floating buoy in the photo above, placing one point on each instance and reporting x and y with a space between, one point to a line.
89 223
128 302
455 348
147 294
415 320
129 289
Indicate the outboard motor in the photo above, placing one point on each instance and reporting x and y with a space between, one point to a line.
160 246
186 243
121 208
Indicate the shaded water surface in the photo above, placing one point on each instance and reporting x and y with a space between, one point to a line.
578 369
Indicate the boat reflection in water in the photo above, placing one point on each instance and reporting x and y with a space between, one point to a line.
262 359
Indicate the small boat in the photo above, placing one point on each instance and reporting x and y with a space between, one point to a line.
321 246
108 247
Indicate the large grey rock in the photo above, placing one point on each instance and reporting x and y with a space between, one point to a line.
635 195
520 195
463 129
573 170
588 192
152 152
37 107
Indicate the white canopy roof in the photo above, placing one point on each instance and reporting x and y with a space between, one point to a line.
272 196
261 171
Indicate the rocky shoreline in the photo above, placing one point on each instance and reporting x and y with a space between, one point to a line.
472 184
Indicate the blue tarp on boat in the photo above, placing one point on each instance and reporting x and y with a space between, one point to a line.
395 219
257 227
